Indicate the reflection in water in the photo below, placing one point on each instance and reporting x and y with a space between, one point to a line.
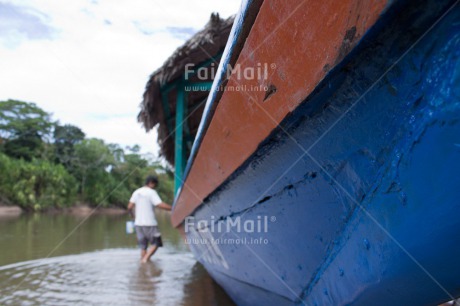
200 289
99 264
142 283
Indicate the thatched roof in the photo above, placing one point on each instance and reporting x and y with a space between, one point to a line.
206 44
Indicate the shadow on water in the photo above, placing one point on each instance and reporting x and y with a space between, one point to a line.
97 264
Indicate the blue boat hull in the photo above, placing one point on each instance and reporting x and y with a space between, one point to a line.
360 184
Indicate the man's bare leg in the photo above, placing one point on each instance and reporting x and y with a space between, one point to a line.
149 253
143 252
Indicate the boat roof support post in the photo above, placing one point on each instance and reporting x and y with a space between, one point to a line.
179 137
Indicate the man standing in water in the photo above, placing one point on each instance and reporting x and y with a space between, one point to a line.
144 200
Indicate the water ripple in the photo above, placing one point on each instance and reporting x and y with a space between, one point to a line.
112 276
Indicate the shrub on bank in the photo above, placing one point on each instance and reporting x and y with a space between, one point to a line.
36 185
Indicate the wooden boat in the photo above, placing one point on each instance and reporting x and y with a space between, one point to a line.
346 162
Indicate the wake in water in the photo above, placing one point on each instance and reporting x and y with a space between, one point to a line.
112 276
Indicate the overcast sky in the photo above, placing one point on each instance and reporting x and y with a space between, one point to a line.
87 61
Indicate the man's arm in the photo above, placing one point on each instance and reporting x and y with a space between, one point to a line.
164 206
130 208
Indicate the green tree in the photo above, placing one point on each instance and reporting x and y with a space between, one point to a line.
166 186
92 161
39 171
23 129
117 152
35 185
131 169
127 175
65 138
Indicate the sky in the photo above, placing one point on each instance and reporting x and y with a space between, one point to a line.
87 61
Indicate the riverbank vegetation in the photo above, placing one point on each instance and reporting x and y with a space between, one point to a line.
45 164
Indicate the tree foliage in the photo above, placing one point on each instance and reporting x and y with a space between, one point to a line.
23 129
36 185
45 164
65 138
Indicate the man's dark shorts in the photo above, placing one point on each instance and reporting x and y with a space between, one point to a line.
148 234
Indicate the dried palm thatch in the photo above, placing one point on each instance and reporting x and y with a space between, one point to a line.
204 45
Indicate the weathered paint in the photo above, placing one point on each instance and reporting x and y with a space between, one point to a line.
320 33
241 27
374 221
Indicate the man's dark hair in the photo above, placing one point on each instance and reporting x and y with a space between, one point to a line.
151 179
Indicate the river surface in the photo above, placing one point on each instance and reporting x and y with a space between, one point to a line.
67 260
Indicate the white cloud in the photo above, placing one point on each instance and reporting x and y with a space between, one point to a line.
93 70
18 23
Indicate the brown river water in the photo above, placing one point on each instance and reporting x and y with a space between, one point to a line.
45 261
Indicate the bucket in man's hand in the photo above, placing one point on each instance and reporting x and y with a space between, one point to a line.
129 227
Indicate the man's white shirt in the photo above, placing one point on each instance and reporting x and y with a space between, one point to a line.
145 199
